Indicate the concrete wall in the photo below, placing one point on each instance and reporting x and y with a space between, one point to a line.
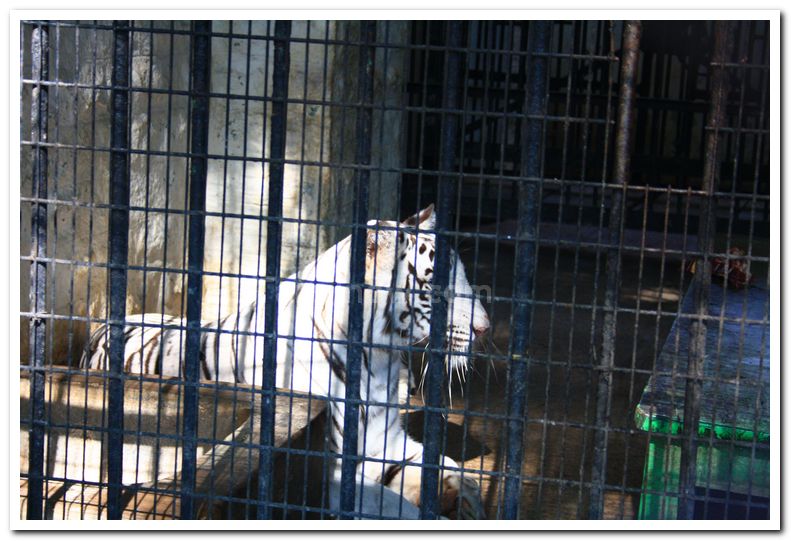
318 133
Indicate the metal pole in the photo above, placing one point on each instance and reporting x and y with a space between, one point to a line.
621 172
118 253
274 236
723 48
39 54
357 268
199 103
446 200
529 208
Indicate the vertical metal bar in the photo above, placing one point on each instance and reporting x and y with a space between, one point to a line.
274 234
39 55
268 33
446 200
357 267
166 226
723 48
525 261
118 252
585 136
504 190
199 104
319 201
621 171
598 197
485 61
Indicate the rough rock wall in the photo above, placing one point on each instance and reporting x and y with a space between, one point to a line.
389 123
237 183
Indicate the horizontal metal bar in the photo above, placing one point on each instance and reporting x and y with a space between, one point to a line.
403 408
330 42
465 177
495 475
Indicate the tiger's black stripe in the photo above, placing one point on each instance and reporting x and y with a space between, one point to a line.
338 368
390 474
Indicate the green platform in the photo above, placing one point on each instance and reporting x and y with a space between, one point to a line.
733 454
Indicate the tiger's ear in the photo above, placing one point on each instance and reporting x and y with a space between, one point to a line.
425 219
372 237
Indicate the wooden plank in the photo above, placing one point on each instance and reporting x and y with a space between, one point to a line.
735 401
77 449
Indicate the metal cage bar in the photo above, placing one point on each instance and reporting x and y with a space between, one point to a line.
446 198
118 258
200 46
621 172
720 84
39 52
277 151
529 205
357 265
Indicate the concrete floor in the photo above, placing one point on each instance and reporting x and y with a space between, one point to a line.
558 443
561 401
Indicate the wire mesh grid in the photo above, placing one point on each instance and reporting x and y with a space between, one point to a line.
394 269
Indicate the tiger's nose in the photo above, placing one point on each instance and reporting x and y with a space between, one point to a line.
480 328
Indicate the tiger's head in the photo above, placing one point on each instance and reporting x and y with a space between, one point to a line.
401 265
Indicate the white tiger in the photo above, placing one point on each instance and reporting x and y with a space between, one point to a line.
312 316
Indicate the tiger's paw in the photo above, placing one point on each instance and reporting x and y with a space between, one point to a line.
461 499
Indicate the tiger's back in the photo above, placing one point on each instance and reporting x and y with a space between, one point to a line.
155 344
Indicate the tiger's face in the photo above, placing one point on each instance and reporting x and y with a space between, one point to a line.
404 263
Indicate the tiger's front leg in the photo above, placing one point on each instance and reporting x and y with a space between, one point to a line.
460 497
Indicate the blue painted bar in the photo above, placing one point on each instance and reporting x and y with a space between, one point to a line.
529 204
446 200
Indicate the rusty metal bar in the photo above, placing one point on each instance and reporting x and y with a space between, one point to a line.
621 172
723 48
